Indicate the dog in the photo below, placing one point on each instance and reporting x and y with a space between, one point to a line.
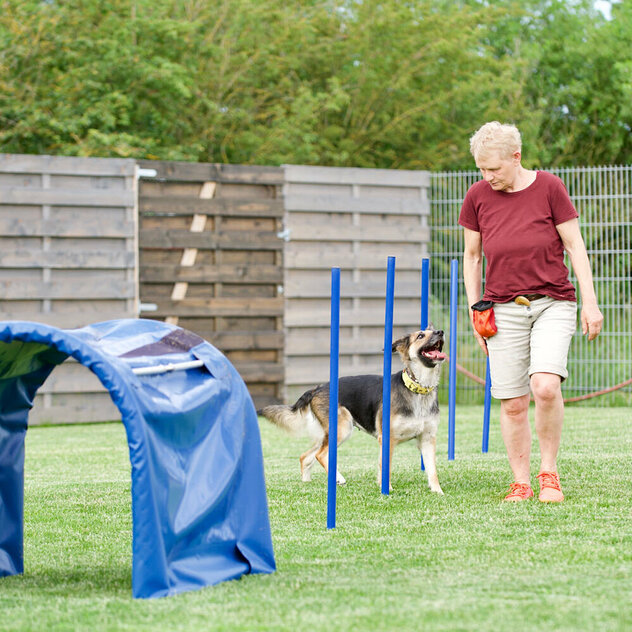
414 407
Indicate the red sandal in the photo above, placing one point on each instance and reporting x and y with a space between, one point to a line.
518 492
550 488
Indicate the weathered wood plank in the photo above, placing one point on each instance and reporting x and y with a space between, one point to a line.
356 176
252 340
299 259
375 206
227 207
330 232
322 289
308 377
59 165
265 372
224 240
73 320
320 317
68 197
89 227
211 274
298 346
71 289
202 172
262 399
92 259
214 307
90 411
71 377
251 174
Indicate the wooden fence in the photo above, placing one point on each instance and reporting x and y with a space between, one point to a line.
211 261
68 251
240 255
352 219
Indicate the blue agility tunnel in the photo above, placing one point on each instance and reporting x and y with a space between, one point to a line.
199 507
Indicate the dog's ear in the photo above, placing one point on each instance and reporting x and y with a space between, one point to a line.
400 346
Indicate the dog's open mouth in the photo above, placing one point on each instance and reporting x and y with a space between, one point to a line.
435 352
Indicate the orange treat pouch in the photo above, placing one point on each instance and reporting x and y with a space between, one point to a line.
483 318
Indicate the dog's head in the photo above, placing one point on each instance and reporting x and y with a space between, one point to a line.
425 346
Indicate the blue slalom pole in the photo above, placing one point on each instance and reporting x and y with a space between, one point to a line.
425 291
454 299
425 294
386 375
334 349
487 408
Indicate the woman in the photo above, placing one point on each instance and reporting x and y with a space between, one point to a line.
523 221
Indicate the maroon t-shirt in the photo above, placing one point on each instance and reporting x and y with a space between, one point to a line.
524 251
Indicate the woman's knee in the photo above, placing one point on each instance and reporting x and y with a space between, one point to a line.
546 387
516 407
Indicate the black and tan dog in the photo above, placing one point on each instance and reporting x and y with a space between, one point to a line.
414 407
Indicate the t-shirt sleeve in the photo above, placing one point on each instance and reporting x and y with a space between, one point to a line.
561 205
467 217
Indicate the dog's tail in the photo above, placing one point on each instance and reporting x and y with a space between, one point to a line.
292 419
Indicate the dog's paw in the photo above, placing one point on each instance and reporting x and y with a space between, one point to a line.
437 490
340 479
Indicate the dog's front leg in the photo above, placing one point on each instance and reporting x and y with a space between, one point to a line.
428 447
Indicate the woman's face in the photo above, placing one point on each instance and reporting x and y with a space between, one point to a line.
498 171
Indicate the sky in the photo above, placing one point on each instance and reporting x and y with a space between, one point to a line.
604 7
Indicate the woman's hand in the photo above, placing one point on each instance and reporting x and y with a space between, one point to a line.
592 321
480 339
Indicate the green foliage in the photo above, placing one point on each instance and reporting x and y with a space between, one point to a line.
576 86
90 78
335 82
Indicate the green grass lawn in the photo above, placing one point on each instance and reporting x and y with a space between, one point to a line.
409 561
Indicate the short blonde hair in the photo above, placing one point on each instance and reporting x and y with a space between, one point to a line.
495 136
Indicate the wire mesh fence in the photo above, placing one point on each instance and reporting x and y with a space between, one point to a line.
603 198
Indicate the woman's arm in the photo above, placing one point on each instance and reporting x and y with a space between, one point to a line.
472 274
591 316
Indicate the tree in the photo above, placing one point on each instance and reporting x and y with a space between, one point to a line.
572 65
93 78
370 83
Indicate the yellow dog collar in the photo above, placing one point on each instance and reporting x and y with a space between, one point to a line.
414 386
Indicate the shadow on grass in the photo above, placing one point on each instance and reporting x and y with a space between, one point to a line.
79 581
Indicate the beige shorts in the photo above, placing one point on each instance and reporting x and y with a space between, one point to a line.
530 340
